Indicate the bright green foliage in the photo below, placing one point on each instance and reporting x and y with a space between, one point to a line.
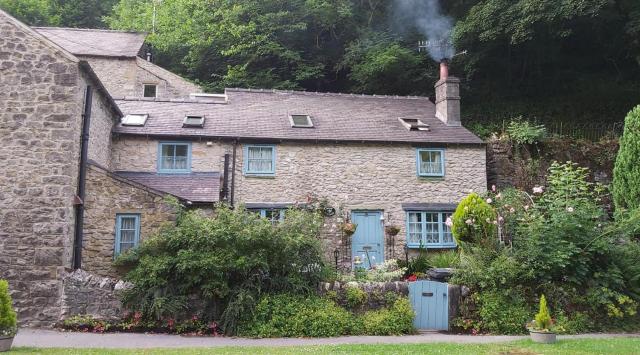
396 320
227 261
64 13
626 173
444 259
473 222
525 132
297 316
503 312
355 297
543 318
8 320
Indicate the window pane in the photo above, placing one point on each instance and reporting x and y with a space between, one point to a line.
431 162
260 160
181 150
150 91
448 236
168 150
125 246
414 234
432 232
127 223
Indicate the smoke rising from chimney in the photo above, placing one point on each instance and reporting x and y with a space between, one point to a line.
426 16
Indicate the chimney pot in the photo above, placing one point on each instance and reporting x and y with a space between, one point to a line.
444 69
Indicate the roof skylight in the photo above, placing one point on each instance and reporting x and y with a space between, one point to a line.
135 119
303 121
193 121
414 124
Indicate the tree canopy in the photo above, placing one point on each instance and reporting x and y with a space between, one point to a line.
569 60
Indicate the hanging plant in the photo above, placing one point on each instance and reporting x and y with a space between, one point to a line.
392 230
349 228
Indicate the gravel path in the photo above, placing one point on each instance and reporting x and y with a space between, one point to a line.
50 338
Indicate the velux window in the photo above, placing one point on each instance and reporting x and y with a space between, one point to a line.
150 90
193 121
301 121
174 157
134 119
127 232
259 160
430 162
429 230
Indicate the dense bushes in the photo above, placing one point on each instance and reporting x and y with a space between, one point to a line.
561 243
626 173
312 316
473 221
219 267
8 320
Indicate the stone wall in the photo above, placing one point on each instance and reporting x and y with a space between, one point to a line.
126 76
362 177
526 166
87 294
108 195
40 120
102 121
141 154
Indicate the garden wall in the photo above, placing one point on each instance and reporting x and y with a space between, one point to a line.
525 166
85 293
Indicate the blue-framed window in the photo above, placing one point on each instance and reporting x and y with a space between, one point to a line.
127 232
430 162
429 230
174 157
274 215
259 160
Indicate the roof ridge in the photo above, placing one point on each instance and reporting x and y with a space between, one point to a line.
86 29
167 100
335 94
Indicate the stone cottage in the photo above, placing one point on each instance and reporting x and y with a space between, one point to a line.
96 136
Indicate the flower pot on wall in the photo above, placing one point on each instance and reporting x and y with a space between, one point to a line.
5 343
543 337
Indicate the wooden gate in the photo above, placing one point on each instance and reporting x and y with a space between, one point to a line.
430 301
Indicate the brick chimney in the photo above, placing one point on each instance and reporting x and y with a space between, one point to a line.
448 97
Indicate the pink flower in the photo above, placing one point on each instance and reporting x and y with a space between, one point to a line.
538 189
493 188
489 200
526 207
449 222
500 219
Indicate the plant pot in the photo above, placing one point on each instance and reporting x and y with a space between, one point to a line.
543 337
5 343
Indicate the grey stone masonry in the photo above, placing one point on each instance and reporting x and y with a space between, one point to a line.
40 119
87 294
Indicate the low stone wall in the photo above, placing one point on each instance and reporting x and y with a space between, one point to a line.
87 294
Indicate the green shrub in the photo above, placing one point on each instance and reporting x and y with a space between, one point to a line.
8 319
444 259
297 316
524 132
396 320
227 262
626 175
502 312
355 297
416 265
473 222
543 318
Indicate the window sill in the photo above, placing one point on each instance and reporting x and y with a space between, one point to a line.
432 246
259 176
167 172
430 178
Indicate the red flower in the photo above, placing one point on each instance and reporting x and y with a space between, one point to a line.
412 278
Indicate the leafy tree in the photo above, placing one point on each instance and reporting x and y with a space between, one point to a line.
32 12
474 222
65 13
626 173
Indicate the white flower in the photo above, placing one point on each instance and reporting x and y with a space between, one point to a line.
538 189
513 210
449 222
570 209
500 219
489 200
468 221
488 220
499 196
526 207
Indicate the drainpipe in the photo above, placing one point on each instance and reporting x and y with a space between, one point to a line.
82 175
225 179
233 173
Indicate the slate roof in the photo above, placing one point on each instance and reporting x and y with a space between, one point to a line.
194 187
94 42
264 115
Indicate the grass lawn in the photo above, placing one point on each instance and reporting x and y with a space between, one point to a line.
525 347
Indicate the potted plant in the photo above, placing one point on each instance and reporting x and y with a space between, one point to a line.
8 320
349 228
392 230
542 328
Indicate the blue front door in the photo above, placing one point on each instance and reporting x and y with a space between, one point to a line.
368 240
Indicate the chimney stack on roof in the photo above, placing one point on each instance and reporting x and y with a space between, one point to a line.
448 97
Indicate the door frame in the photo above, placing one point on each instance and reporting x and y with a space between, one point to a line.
379 212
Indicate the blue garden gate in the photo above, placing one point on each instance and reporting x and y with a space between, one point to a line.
430 301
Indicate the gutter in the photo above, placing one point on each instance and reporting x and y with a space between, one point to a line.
233 173
82 177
